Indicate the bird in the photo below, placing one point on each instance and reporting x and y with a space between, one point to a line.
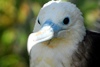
60 39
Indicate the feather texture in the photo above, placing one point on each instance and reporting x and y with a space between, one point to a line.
87 54
74 46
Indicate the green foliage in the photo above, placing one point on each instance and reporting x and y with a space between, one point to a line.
12 61
17 19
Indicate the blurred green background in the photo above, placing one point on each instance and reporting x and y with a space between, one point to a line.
17 18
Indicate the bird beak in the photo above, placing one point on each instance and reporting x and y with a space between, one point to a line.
45 33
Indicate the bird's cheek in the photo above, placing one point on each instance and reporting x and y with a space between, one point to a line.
62 34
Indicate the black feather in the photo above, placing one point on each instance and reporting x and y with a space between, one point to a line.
88 52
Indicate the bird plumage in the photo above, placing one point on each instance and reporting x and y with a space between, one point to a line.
87 54
62 42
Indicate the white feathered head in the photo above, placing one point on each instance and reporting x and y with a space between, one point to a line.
57 19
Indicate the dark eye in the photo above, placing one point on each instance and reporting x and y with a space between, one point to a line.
66 21
39 21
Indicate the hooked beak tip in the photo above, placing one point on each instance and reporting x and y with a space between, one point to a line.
43 35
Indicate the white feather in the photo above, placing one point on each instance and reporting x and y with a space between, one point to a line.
58 53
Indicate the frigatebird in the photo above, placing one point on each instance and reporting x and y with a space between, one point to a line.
60 39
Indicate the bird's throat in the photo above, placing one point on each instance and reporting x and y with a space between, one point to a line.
55 42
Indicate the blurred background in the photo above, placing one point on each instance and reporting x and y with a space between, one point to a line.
17 18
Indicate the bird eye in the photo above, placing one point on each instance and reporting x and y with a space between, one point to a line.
66 21
39 21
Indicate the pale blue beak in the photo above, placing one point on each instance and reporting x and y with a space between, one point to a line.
47 32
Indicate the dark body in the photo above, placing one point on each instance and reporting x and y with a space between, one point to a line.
88 52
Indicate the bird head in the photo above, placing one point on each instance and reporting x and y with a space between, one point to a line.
57 19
